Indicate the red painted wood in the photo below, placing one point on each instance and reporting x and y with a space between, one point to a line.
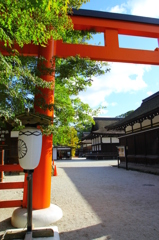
11 185
11 168
110 52
11 203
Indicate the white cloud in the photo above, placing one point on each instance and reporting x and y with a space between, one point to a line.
123 78
104 104
113 104
138 7
149 93
144 8
103 112
119 9
118 80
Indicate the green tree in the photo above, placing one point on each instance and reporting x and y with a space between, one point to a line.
30 21
26 22
72 76
66 136
123 115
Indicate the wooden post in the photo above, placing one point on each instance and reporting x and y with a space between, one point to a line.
1 163
118 162
126 159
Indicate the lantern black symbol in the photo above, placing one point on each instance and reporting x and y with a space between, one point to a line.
22 148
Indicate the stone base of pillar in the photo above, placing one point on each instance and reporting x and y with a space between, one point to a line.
21 235
40 218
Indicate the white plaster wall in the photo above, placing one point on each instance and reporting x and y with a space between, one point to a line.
146 123
115 140
106 140
136 126
54 153
155 120
128 129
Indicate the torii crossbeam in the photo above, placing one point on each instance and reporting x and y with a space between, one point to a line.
111 24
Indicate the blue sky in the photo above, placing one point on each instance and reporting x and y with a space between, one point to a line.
126 85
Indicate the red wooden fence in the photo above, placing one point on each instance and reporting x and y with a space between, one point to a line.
10 185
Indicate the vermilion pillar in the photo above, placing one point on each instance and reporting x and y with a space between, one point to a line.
42 174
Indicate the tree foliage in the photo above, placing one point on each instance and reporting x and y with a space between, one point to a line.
72 76
24 22
123 115
31 21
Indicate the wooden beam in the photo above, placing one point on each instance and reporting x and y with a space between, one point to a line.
144 29
11 203
11 168
11 185
1 163
27 50
108 53
111 24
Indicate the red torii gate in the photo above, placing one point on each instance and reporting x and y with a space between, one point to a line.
111 25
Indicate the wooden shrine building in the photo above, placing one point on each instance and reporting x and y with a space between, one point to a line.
85 145
104 143
141 137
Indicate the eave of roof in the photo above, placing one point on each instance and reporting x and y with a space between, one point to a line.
86 141
106 133
148 109
109 132
100 128
101 123
29 117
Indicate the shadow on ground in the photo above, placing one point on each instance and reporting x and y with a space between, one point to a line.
121 199
88 233
6 224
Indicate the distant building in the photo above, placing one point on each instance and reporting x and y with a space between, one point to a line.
86 145
103 142
141 137
9 143
61 152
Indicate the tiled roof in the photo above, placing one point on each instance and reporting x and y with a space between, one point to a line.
148 107
101 123
85 134
100 127
86 141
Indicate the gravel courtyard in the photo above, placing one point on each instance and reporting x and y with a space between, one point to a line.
101 202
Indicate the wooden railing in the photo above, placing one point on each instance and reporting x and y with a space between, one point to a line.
10 185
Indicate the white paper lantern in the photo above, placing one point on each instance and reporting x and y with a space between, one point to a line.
29 147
